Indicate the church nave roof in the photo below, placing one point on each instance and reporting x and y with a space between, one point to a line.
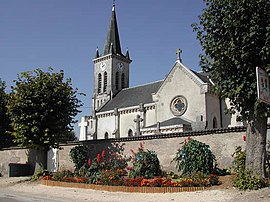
133 96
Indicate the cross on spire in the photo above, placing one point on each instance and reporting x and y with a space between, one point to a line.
113 8
178 54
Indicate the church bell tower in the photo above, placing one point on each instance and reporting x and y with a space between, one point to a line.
111 69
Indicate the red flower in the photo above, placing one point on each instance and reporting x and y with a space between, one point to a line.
244 137
103 154
89 162
98 158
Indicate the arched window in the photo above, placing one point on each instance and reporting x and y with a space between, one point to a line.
99 83
106 135
105 82
130 133
98 103
214 122
123 80
117 80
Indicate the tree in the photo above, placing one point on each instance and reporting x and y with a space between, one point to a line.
5 137
42 107
235 38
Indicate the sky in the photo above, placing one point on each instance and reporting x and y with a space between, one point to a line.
64 35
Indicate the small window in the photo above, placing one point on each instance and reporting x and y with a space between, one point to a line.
214 122
130 133
117 80
105 82
106 135
123 80
99 83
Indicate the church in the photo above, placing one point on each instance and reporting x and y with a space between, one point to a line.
183 101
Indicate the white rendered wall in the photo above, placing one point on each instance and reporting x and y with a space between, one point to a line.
179 83
106 124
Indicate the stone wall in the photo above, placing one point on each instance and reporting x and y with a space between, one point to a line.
221 144
15 155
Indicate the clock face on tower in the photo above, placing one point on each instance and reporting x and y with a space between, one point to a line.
120 66
102 66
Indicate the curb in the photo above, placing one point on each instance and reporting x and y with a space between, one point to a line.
121 188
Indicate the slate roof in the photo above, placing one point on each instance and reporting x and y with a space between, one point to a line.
132 96
171 122
202 76
112 44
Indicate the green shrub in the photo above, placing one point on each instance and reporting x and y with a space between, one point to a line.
60 175
239 160
246 181
112 177
39 173
194 156
267 165
78 155
112 160
145 163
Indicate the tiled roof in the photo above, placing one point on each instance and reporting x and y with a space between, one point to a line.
132 96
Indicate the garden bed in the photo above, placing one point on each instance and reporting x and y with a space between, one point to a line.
121 188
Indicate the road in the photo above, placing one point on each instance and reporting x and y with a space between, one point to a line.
7 195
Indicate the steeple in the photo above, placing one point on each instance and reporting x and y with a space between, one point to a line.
112 44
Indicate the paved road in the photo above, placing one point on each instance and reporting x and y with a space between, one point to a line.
8 196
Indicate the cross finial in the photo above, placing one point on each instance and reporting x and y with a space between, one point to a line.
178 54
113 7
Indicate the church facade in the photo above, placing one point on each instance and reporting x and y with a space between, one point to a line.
183 101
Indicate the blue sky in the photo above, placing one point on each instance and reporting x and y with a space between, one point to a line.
64 34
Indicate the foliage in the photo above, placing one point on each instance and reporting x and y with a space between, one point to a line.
61 175
145 163
239 160
235 37
5 137
112 177
42 107
268 159
194 156
245 180
105 164
172 175
40 173
79 155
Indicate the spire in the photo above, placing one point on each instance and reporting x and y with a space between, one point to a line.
127 54
112 36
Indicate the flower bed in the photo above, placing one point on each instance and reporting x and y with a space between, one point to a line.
121 188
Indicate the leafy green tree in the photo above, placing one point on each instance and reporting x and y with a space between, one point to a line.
42 107
235 37
5 137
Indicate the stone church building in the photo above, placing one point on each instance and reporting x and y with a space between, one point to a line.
183 101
